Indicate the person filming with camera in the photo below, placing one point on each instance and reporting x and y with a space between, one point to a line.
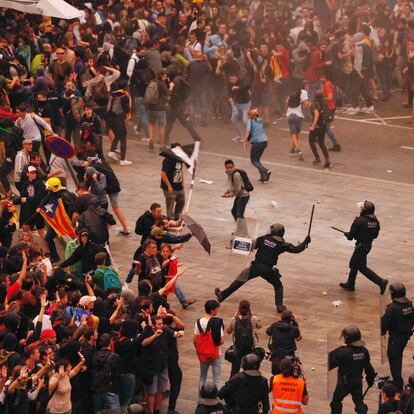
288 389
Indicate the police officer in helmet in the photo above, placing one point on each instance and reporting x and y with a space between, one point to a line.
247 391
351 360
364 230
398 321
269 247
209 402
407 397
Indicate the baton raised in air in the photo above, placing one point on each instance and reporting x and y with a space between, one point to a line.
336 228
310 221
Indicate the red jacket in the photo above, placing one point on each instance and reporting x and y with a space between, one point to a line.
315 66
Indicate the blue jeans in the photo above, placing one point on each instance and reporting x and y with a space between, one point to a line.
239 206
215 365
105 401
239 111
140 108
331 134
281 88
180 295
126 389
201 98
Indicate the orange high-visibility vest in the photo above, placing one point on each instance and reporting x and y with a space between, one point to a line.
287 395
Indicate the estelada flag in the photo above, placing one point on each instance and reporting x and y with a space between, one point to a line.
55 215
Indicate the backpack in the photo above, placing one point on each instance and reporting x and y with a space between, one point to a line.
339 96
324 113
248 186
151 93
205 347
102 374
110 278
367 57
100 93
139 225
116 104
243 336
294 100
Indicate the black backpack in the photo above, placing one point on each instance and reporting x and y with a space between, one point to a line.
243 336
294 100
248 186
102 374
139 225
325 115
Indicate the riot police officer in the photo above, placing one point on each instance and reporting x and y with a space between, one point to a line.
209 402
364 230
398 321
269 247
247 391
351 360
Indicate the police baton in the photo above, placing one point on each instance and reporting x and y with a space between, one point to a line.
340 231
366 391
310 221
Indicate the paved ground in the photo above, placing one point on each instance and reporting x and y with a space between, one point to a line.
372 166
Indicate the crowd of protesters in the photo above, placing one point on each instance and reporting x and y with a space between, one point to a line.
72 339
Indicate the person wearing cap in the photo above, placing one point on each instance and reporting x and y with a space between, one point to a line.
22 159
283 337
32 192
398 322
209 401
32 126
56 191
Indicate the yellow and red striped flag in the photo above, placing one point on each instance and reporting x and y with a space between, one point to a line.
55 215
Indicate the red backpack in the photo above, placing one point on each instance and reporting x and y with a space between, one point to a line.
205 347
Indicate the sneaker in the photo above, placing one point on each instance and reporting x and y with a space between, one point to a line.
217 292
151 144
125 162
136 130
347 287
367 110
118 151
300 156
267 177
145 139
280 308
336 148
383 286
316 162
327 165
112 155
293 152
123 232
237 139
351 111
188 303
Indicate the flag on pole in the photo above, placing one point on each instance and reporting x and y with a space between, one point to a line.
55 215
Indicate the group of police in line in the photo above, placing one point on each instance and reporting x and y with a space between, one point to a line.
248 389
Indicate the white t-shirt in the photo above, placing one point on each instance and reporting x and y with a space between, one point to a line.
298 110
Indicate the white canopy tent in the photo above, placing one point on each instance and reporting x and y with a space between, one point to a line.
52 8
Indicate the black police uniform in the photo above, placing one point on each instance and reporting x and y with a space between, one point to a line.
268 251
398 321
351 361
245 391
364 230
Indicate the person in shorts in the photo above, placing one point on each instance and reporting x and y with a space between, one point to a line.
295 119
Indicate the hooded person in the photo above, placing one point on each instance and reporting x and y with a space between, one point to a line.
96 219
9 352
88 140
96 183
284 334
84 253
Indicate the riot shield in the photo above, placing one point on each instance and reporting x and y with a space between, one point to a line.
383 338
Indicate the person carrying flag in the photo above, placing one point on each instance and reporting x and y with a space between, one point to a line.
57 208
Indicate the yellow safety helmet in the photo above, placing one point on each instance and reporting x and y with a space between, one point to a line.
54 184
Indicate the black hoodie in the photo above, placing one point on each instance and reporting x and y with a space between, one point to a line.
284 335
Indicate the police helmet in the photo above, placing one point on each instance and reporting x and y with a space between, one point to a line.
397 290
250 362
277 230
367 208
351 334
208 391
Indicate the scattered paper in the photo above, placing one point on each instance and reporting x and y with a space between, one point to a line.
337 303
318 202
313 368
274 204
389 171
201 180
324 292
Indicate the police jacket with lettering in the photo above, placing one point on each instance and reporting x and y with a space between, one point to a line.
398 319
351 361
247 389
364 229
269 249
